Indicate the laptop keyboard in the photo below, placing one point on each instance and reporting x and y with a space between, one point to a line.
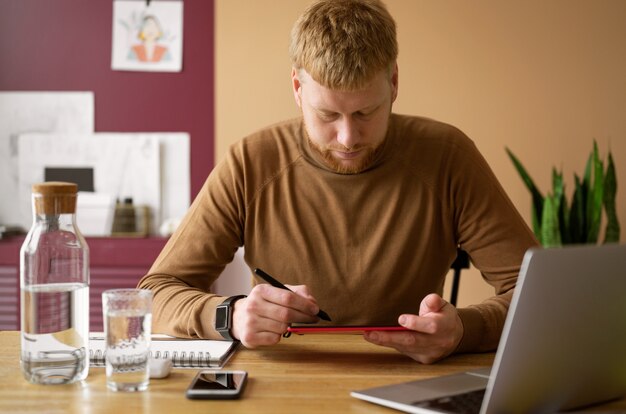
466 403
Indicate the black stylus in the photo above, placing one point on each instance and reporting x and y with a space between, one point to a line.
269 279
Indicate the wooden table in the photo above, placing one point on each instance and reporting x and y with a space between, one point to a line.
302 374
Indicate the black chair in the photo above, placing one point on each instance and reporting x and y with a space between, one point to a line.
462 261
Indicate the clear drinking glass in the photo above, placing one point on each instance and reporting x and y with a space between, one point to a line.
127 329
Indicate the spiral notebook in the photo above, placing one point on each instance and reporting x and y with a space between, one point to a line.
184 353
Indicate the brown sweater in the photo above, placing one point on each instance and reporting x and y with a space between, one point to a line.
369 246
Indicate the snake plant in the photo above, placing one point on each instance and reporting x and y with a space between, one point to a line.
555 222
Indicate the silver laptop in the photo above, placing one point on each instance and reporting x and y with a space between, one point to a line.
563 345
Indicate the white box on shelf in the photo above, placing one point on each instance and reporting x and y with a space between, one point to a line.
94 213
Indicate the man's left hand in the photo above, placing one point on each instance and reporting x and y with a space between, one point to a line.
434 334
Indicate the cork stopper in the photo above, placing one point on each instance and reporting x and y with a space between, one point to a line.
54 197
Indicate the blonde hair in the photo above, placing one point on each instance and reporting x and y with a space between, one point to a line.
343 44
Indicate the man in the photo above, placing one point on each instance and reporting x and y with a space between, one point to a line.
359 210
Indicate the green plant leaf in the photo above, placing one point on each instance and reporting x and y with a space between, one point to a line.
564 214
587 176
595 200
586 190
557 183
550 234
560 204
612 232
536 224
577 214
537 197
556 223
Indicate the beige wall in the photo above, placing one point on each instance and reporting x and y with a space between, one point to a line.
542 77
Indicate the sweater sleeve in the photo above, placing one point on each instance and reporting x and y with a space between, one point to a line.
194 257
496 237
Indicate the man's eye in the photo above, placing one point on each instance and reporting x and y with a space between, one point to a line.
327 117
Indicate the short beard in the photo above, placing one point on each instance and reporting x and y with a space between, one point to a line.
331 162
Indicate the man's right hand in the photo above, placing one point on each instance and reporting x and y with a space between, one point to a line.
267 312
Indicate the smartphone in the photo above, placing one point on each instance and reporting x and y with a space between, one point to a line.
345 329
217 385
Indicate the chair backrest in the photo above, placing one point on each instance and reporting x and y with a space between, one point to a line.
462 261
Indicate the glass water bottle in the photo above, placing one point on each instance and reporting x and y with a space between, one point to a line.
54 286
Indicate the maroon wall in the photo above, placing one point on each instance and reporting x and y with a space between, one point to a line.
65 45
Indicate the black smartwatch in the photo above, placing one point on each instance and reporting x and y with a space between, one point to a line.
224 316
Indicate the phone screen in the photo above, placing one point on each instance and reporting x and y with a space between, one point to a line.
217 384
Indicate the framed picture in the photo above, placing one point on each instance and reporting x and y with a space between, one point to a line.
147 36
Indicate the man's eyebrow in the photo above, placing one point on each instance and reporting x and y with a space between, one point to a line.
325 111
365 110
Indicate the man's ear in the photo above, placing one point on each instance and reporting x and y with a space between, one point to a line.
394 83
297 86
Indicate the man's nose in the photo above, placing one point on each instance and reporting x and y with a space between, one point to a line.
347 133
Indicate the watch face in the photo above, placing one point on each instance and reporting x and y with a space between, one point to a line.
221 318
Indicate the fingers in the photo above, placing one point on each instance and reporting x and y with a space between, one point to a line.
432 309
283 305
410 343
262 317
254 330
433 334
431 303
413 344
303 291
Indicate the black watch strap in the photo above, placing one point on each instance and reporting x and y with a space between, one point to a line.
224 317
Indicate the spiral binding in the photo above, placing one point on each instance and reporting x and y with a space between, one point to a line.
179 359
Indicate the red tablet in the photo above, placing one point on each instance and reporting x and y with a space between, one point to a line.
346 329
